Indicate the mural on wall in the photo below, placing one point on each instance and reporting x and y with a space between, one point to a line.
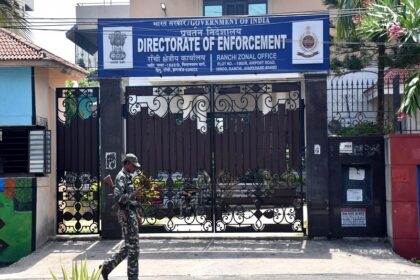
16 214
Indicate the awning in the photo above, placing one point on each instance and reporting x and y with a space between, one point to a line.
87 39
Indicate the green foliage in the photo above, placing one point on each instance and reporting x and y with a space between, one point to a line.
23 194
407 55
411 99
387 21
70 106
89 81
374 24
378 19
24 182
292 179
408 17
361 129
69 84
13 18
346 27
331 2
354 62
148 187
78 272
90 196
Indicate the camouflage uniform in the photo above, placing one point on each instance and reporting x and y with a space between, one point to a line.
129 223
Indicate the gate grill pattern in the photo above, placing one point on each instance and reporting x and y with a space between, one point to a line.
227 157
77 160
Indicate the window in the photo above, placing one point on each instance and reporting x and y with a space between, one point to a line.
234 7
14 151
213 10
25 150
255 9
40 151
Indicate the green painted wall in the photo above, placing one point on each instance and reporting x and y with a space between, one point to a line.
16 218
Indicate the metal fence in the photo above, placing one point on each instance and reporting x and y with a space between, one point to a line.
227 158
352 105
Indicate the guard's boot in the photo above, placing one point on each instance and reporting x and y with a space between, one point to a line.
104 273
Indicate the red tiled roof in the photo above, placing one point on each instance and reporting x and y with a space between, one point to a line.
392 73
16 48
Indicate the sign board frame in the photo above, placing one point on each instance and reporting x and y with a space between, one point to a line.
203 46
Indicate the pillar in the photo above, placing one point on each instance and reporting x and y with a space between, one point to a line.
112 147
317 164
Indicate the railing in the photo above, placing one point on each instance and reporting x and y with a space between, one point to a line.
353 107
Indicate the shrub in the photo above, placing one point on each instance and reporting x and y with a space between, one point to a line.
361 129
78 272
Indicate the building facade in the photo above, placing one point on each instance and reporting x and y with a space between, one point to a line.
28 78
193 8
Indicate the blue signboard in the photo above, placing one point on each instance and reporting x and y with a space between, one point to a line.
212 46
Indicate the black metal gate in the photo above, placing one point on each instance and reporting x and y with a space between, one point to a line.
77 160
226 157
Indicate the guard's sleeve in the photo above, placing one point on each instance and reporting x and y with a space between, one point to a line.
120 195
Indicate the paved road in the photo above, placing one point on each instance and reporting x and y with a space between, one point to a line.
289 277
273 277
176 259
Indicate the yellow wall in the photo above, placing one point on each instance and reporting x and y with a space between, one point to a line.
46 81
287 6
175 8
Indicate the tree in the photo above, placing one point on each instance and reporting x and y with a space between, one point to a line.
12 17
89 81
398 25
350 16
349 52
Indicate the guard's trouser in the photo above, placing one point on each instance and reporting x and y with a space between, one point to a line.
130 232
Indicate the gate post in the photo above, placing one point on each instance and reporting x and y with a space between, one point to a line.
112 144
317 164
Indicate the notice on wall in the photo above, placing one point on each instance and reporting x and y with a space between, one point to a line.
346 147
110 161
357 174
354 195
317 149
353 217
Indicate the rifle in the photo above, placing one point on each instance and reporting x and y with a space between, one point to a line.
108 180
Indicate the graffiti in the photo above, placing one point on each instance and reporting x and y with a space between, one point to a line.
373 149
16 212
368 150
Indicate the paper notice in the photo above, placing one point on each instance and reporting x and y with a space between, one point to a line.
354 195
346 147
357 174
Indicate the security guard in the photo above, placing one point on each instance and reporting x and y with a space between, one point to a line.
125 196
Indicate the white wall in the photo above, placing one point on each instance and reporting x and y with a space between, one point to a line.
349 99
